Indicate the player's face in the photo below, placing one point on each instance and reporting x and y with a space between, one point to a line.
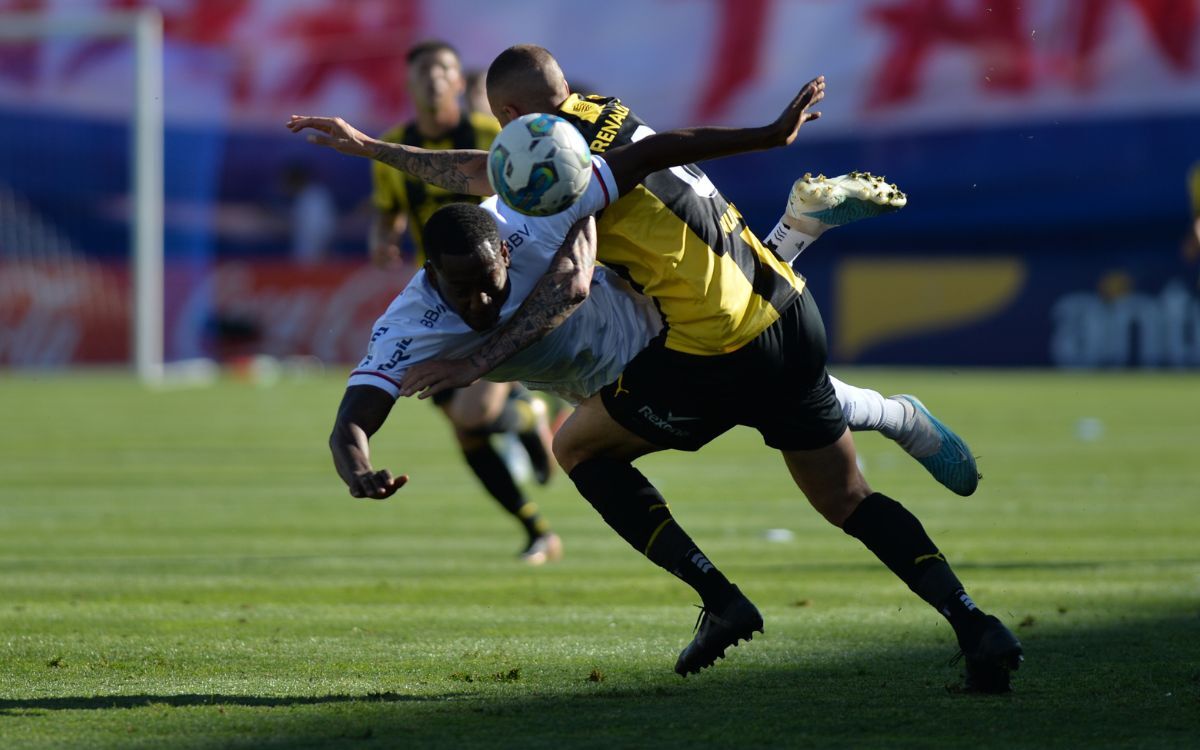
435 79
473 287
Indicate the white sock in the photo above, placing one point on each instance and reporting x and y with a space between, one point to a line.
788 242
868 410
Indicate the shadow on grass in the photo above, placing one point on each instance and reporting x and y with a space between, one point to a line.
872 566
100 702
1135 683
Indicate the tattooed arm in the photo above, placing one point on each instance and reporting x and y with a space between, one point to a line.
457 170
563 288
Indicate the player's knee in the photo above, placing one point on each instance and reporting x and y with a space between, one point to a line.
565 453
470 440
569 450
836 504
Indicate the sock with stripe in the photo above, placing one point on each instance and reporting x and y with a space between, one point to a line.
635 510
900 542
788 242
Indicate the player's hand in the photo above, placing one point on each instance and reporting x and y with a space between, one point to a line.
335 133
376 485
433 376
787 126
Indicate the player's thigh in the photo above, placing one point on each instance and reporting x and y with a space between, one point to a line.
673 400
792 402
830 478
478 405
591 432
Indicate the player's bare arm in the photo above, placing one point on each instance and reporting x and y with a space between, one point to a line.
631 164
557 294
360 415
457 170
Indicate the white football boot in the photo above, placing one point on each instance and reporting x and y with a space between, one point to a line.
818 203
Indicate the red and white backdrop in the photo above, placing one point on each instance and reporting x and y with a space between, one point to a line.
1050 102
891 63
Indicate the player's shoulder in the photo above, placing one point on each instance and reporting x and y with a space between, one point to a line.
586 107
484 124
415 310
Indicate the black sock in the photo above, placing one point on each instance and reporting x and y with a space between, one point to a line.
898 539
498 481
634 509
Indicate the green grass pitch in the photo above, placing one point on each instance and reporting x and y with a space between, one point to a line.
183 569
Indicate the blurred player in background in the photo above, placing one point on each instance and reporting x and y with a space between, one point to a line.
402 205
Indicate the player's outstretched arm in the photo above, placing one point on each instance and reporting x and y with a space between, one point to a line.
457 170
562 289
631 163
362 412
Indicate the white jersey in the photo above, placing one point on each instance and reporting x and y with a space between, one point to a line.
589 350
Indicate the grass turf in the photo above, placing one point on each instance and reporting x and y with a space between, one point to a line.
183 569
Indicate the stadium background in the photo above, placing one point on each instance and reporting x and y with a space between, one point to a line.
1044 146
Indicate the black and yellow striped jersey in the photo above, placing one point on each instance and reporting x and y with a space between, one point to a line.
397 192
680 242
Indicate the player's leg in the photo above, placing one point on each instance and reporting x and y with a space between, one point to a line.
796 409
535 438
478 412
634 416
596 452
923 436
817 204
830 479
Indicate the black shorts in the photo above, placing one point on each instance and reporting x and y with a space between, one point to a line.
776 384
441 398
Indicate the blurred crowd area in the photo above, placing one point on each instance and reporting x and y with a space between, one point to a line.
1046 147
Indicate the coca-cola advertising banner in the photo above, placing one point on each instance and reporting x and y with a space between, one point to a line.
53 315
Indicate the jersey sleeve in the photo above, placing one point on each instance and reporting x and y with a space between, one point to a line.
601 191
393 348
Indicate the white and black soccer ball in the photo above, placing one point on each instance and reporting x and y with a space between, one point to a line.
539 164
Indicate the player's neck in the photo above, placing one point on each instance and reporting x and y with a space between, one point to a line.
438 122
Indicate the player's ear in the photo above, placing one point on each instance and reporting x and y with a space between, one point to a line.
504 256
506 114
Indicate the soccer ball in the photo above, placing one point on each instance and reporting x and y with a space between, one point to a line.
539 164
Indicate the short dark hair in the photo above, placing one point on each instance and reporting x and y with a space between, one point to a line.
516 61
461 229
429 45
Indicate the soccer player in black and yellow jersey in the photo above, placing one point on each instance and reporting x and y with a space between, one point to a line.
404 203
743 344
